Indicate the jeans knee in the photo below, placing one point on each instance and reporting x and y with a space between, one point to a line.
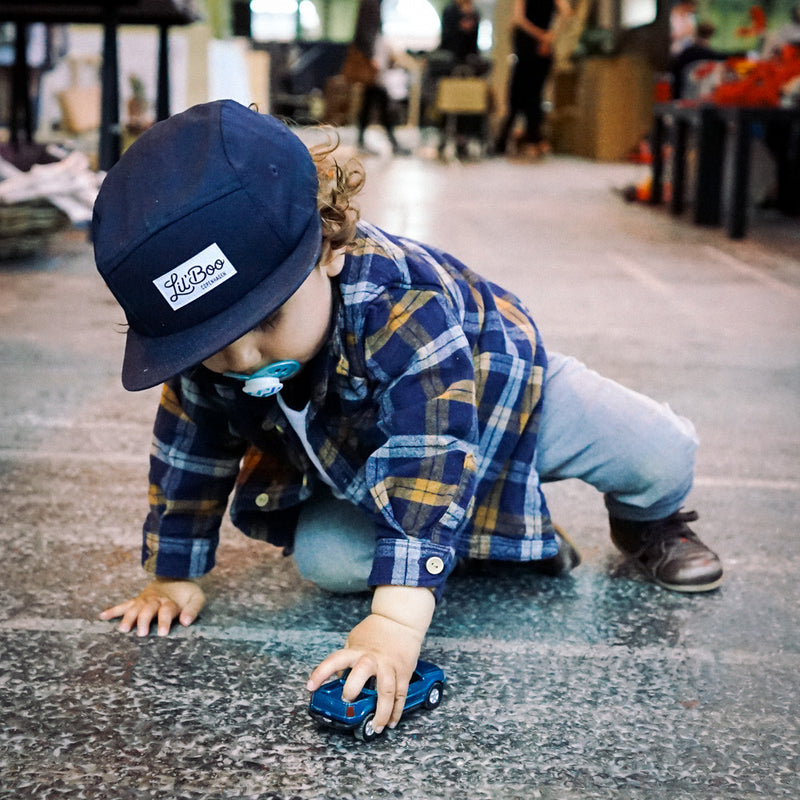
664 476
334 546
321 567
676 467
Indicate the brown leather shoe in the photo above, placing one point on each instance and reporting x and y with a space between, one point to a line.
669 552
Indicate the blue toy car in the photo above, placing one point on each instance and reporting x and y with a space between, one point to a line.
330 710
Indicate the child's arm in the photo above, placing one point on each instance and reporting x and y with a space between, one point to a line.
193 466
163 599
385 644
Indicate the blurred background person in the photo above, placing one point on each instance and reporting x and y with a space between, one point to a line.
368 40
460 21
533 25
682 25
699 50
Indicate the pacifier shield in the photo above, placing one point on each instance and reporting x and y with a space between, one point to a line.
262 387
279 369
267 381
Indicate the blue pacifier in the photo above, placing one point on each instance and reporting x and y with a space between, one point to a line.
268 380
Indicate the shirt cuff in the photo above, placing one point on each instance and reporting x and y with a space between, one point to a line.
411 562
169 557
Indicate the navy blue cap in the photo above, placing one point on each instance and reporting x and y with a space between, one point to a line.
205 226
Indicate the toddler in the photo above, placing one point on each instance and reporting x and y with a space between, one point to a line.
376 408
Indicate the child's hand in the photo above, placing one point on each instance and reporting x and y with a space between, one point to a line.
385 644
162 600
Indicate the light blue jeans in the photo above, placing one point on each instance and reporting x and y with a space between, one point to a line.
636 451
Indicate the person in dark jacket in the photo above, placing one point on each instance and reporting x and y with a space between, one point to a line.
460 21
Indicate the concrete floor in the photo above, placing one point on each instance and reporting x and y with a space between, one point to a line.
597 685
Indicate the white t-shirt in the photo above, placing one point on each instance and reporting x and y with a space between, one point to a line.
297 419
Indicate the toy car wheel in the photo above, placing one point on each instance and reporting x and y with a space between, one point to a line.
434 696
365 732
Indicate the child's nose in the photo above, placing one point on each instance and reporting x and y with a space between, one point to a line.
242 356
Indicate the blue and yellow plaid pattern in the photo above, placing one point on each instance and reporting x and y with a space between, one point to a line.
424 412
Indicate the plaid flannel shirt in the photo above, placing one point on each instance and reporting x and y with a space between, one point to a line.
424 411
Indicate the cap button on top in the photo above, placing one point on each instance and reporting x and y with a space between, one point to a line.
434 565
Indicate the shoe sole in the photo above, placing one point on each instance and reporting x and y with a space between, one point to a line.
688 588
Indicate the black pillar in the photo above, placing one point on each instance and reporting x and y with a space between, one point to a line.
21 116
109 150
162 93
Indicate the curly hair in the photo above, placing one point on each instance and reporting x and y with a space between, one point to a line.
339 183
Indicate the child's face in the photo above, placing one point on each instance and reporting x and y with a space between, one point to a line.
297 331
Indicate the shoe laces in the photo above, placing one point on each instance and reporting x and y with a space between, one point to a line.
671 528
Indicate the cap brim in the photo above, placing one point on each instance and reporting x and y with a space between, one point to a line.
150 361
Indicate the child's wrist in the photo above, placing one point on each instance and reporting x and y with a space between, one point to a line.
411 606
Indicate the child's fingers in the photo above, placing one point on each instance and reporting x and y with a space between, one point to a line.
399 705
387 697
362 670
392 693
146 615
129 616
160 602
166 613
115 611
326 669
192 609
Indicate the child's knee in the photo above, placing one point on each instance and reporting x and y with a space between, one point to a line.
334 546
662 473
675 468
329 570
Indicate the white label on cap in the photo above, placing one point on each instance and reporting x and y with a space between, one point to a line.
195 277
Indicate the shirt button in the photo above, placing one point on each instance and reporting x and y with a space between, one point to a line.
434 565
262 500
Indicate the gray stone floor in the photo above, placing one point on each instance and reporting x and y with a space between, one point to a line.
597 685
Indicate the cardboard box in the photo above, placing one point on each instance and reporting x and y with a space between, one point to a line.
615 106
